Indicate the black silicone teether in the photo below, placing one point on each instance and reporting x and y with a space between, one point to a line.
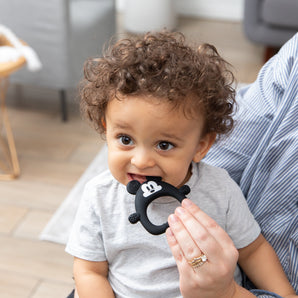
146 193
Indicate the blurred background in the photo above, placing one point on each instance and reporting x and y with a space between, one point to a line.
54 146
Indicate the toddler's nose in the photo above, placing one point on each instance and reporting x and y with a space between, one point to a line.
142 159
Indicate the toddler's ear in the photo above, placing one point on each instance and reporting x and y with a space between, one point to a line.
204 145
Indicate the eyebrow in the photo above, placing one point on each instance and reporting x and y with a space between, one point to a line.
121 126
166 135
171 137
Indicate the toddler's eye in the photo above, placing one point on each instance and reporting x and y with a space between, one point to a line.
125 140
165 146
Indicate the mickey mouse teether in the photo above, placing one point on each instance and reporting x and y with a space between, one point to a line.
147 192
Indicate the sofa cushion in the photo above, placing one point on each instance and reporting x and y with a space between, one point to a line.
281 13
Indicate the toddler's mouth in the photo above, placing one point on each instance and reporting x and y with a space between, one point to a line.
141 178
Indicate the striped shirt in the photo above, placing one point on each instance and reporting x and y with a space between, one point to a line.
261 154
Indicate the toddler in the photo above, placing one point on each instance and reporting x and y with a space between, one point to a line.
161 105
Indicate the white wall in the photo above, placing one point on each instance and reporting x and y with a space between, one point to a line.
210 9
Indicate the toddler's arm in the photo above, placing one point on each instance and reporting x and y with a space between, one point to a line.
91 279
262 266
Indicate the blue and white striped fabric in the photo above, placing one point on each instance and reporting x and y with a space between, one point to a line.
261 154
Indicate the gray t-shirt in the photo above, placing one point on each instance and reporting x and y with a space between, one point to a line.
141 264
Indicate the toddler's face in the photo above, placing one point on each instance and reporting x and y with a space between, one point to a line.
147 137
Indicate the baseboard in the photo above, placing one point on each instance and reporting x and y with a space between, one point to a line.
229 10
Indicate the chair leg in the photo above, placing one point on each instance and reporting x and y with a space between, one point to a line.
63 105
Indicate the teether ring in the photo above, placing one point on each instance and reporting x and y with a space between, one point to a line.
146 193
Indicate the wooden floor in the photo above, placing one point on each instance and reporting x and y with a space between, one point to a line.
52 157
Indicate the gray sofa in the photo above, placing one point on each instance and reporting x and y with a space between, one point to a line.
63 33
270 22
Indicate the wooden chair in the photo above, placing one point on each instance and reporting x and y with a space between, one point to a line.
9 164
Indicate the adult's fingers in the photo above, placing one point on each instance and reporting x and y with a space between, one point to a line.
182 264
190 249
193 237
206 236
208 223
191 233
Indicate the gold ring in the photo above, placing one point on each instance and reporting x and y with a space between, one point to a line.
198 261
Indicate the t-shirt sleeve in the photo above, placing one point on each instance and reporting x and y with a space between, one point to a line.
240 224
85 240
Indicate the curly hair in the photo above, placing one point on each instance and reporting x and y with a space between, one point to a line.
163 66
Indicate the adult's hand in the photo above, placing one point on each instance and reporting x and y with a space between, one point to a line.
193 233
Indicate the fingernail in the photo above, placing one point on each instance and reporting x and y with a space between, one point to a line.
180 210
173 218
187 203
169 232
171 237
